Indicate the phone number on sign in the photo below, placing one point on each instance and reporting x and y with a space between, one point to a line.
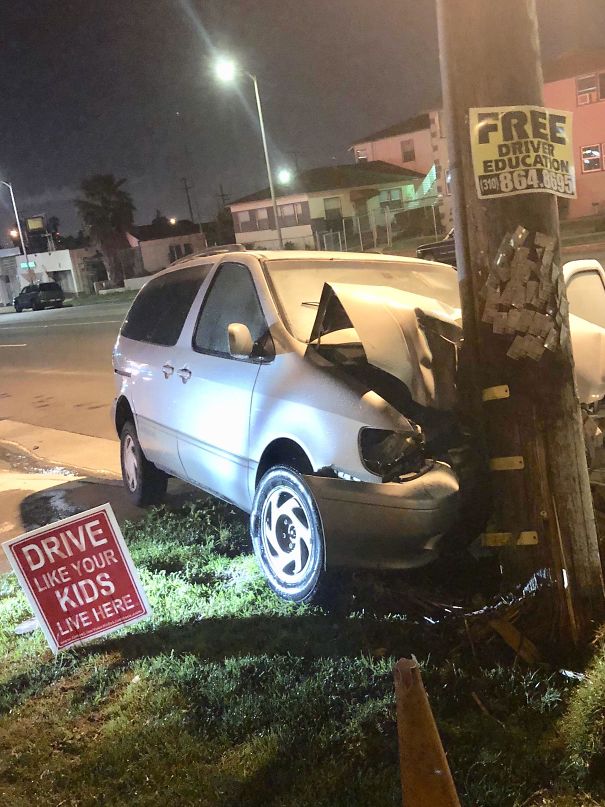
537 179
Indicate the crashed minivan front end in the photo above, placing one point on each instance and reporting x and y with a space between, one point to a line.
398 352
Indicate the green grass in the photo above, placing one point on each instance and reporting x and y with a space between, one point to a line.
228 696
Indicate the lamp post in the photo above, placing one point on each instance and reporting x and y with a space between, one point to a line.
226 70
16 212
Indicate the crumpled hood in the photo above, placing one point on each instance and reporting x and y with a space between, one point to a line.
412 337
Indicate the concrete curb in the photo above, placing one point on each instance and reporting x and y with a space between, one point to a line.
92 456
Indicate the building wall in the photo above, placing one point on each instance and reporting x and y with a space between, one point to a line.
50 266
588 130
9 283
156 254
301 235
389 150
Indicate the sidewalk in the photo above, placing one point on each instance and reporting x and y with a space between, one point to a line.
94 456
47 475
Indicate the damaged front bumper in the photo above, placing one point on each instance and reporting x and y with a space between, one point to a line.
389 525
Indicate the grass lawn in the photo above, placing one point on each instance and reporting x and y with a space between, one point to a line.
229 696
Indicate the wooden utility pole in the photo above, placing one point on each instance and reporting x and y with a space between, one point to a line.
542 505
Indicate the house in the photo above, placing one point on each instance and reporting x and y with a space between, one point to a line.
334 207
574 82
154 247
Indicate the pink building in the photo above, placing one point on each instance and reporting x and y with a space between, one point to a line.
407 144
574 82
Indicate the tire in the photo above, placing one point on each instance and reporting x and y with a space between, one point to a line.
18 309
37 306
144 483
287 534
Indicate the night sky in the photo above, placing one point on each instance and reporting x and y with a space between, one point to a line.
93 86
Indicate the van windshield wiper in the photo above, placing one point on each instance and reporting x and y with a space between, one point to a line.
311 304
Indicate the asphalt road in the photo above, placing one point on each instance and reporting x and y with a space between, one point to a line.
55 367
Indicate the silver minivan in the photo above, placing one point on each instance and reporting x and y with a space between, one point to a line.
299 386
315 391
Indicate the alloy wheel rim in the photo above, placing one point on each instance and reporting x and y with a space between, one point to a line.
131 466
287 536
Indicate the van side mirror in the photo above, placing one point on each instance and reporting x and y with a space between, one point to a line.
240 340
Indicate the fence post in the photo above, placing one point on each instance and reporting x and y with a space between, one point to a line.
360 234
426 780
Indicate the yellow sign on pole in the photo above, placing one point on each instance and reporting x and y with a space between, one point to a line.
523 149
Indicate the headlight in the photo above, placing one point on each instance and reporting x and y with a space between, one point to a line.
390 454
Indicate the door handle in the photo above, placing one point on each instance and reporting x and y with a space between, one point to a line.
184 374
168 370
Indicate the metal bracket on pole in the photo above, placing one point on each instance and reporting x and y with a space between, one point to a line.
495 393
526 538
506 464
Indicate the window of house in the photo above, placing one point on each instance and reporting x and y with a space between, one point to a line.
592 158
391 197
232 298
175 251
246 221
586 296
448 181
287 215
361 154
262 218
161 307
333 208
303 214
586 89
187 249
408 154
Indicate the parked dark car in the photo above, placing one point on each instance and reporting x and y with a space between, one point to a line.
444 251
38 296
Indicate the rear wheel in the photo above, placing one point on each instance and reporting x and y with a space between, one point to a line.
144 483
37 306
287 534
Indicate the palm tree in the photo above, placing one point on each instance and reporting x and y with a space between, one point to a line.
107 210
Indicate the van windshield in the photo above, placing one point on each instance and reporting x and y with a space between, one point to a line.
297 284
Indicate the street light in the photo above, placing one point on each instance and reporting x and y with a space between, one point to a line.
284 176
226 70
16 212
172 221
13 233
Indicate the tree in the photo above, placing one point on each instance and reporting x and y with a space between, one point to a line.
107 210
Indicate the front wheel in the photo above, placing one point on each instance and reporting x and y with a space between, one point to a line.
144 483
287 534
18 309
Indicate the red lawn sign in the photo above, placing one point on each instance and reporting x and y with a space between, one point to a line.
79 577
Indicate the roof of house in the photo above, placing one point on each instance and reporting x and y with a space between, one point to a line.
574 63
333 177
415 124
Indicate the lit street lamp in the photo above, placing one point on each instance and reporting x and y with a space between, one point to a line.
13 233
226 70
172 221
16 212
284 176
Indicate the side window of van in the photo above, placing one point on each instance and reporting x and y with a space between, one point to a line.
161 307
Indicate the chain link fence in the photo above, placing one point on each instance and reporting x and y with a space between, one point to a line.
381 228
